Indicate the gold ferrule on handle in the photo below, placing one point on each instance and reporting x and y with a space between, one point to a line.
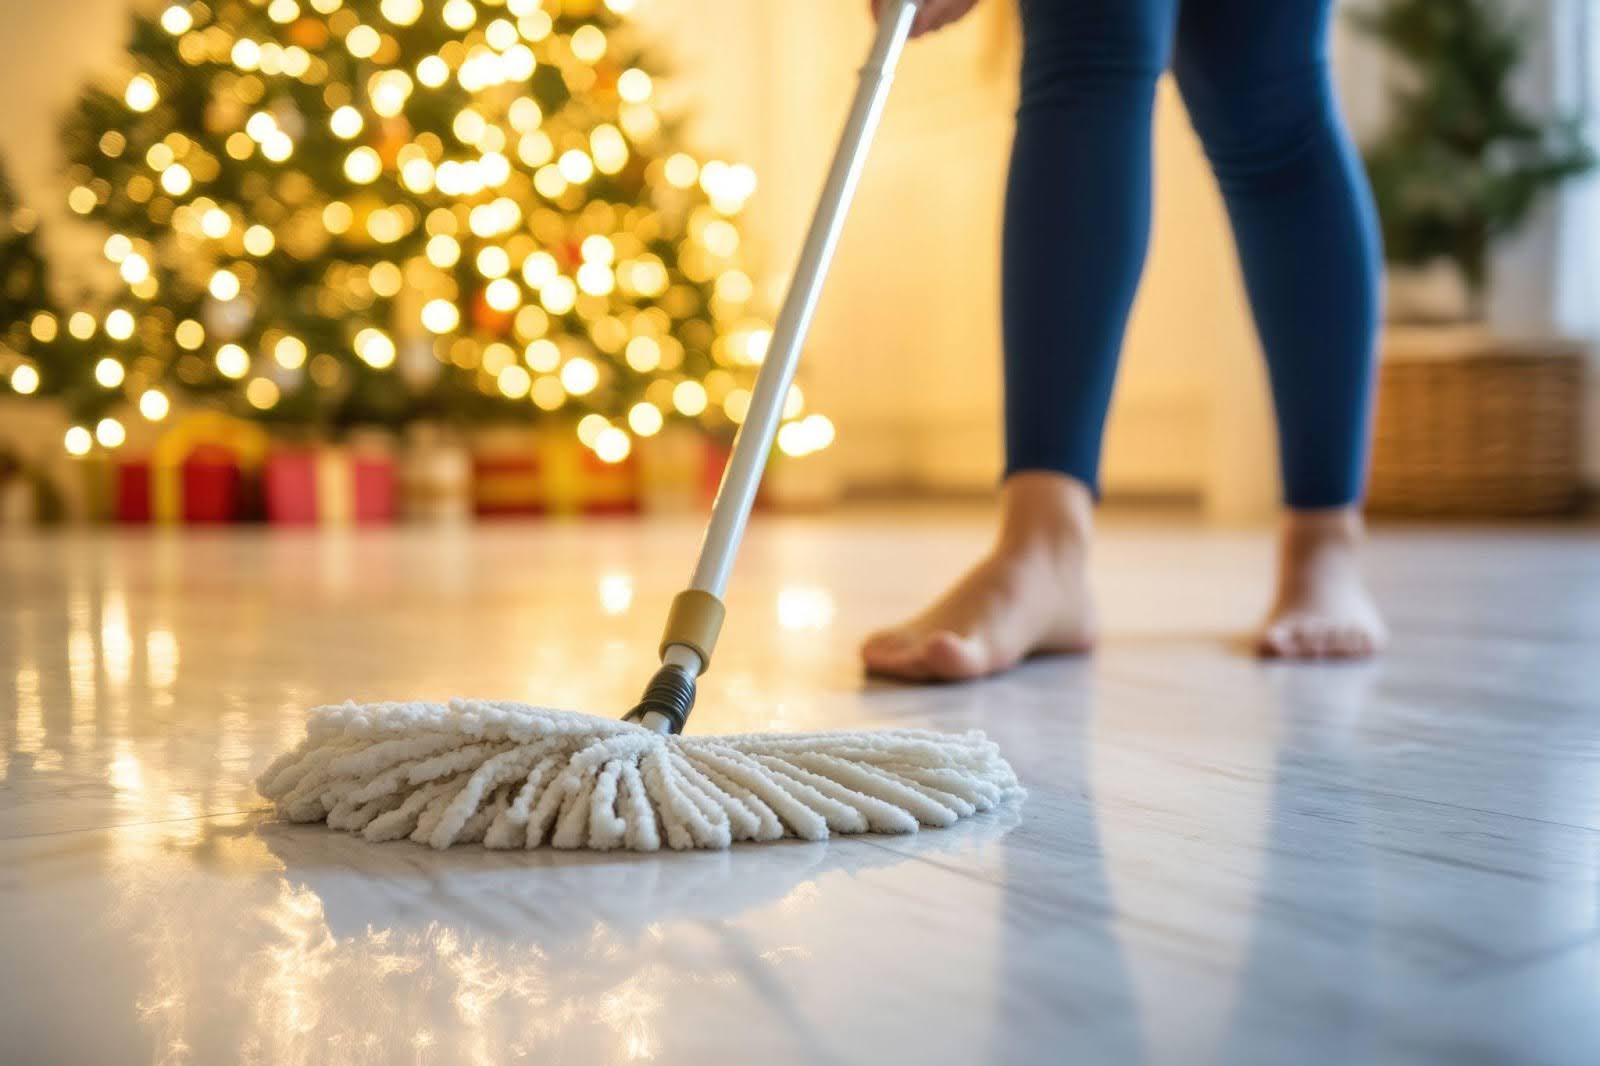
694 621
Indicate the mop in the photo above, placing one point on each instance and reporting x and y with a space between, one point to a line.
510 775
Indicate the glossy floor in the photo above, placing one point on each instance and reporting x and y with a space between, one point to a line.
1219 862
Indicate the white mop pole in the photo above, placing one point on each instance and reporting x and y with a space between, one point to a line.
737 493
697 612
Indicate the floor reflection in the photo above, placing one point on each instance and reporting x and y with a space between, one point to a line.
1100 938
1317 847
1063 974
477 956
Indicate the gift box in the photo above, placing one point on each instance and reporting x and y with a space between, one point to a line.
507 485
672 471
374 485
207 486
436 482
577 481
133 492
289 486
607 488
201 470
213 488
330 485
680 470
510 474
540 472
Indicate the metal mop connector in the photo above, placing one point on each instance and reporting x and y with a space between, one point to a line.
689 637
693 622
670 695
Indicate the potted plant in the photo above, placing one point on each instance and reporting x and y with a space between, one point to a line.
1468 422
1460 163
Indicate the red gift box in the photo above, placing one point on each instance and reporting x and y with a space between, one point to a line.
607 488
329 485
373 480
508 483
200 469
289 486
213 485
208 486
132 504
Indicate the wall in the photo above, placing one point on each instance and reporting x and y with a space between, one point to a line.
47 51
1547 279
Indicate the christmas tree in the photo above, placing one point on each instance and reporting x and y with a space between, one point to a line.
38 357
1461 163
327 212
23 289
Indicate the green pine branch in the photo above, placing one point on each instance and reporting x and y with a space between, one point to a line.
1462 163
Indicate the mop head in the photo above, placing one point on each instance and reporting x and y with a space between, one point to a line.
514 776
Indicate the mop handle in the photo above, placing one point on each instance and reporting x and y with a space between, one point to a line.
697 614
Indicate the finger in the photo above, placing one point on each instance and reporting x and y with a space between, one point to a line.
937 14
958 10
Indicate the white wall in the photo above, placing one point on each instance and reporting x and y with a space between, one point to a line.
1547 280
47 52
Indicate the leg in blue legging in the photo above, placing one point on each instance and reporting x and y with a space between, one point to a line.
1254 77
1255 80
1077 220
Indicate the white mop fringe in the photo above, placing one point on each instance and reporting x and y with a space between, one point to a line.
513 776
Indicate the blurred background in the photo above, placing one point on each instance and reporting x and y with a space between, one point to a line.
306 261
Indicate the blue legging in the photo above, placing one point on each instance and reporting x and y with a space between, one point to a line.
1254 77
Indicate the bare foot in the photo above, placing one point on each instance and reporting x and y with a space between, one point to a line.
1323 609
1028 595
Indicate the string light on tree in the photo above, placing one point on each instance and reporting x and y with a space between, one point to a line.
232 361
24 380
108 372
110 433
153 405
37 356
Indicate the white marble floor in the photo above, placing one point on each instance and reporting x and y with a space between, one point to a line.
1219 862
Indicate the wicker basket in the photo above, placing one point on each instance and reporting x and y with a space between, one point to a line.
1471 425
